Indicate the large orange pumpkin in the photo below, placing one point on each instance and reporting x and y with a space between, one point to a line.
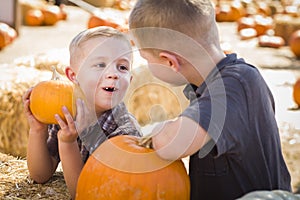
48 97
122 169
294 43
296 92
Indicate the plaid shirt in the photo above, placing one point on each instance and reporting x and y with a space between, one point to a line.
117 121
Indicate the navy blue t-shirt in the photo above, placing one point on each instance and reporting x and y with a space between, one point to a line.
235 106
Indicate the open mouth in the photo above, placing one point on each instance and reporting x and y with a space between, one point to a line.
110 89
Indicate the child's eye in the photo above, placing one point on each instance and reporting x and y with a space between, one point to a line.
123 67
101 65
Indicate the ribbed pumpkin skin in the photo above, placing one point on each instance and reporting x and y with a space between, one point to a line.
48 97
145 175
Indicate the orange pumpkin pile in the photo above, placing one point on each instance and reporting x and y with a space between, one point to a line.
122 169
47 15
229 12
271 23
256 24
103 19
7 35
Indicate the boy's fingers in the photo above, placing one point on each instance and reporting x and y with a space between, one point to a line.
69 119
27 94
61 122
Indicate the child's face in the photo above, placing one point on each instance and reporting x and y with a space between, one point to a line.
104 71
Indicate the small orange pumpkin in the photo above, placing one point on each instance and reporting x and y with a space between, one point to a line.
262 24
7 35
296 92
95 21
48 97
245 22
270 41
4 37
51 15
294 43
122 169
34 17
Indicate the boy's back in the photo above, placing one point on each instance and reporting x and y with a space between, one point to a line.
249 123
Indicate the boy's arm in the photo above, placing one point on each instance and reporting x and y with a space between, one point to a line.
71 163
41 164
69 151
178 138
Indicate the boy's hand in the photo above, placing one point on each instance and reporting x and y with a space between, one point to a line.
67 133
34 124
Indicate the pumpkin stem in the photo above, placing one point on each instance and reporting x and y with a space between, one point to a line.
55 75
146 141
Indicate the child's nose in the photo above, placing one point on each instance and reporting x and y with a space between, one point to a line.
112 74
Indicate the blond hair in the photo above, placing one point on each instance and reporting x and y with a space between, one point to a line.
100 31
194 18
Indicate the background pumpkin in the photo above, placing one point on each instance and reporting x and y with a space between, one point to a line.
95 21
296 92
7 35
34 17
122 169
294 43
51 15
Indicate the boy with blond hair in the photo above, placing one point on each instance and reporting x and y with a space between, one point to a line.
100 63
229 129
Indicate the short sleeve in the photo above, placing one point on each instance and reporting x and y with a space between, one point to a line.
220 110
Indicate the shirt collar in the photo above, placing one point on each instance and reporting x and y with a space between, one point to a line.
108 120
192 91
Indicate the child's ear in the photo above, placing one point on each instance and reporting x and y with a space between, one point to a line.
171 59
70 74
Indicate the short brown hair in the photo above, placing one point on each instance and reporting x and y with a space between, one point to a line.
191 17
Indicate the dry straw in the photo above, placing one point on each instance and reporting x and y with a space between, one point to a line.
15 183
151 100
14 81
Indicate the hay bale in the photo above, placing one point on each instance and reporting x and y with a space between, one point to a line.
16 184
14 81
151 100
285 25
56 58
